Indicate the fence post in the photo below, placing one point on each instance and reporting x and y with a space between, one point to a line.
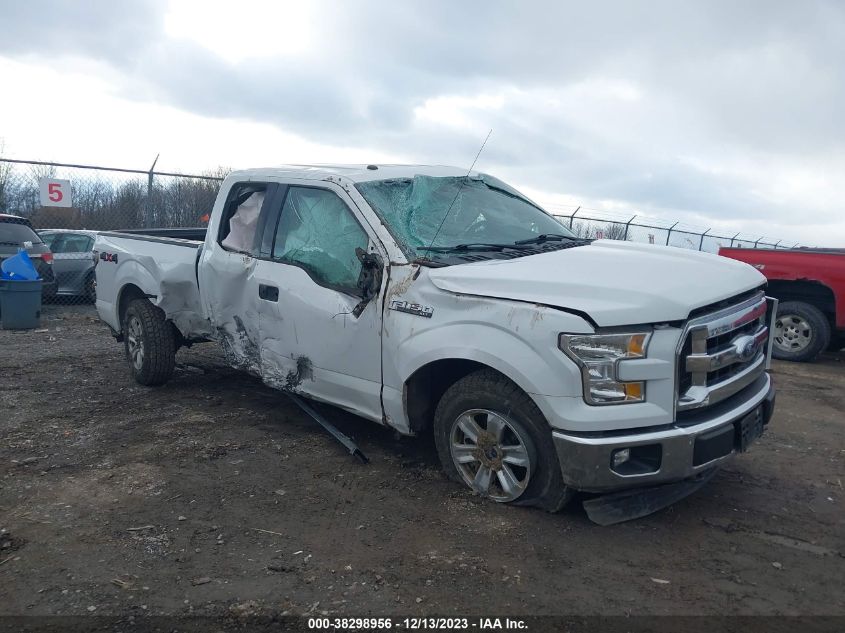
669 232
625 237
572 217
733 238
758 240
776 244
701 241
148 211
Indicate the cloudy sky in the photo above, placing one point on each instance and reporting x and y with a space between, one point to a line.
725 114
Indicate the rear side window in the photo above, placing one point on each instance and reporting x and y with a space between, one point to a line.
241 216
319 233
14 233
70 243
49 238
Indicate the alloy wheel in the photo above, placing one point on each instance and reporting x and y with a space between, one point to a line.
490 454
135 342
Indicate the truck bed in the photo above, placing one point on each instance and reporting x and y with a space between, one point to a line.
196 234
160 264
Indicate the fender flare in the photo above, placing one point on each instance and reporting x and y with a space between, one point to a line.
513 357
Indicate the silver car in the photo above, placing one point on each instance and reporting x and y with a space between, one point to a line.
73 261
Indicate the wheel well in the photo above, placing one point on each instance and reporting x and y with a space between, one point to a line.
129 293
427 385
812 292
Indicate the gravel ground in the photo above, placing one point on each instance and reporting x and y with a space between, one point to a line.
214 494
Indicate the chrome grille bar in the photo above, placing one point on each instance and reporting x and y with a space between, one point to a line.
717 365
735 353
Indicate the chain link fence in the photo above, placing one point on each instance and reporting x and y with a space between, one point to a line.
103 198
595 224
93 199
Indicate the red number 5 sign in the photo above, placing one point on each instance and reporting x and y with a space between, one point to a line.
54 192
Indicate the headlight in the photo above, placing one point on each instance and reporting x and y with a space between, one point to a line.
598 355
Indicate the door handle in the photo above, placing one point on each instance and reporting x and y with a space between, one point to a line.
268 293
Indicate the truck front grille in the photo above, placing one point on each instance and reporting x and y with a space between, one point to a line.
723 352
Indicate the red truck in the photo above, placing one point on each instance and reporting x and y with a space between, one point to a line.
810 285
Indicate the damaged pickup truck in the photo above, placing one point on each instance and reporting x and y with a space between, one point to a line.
432 300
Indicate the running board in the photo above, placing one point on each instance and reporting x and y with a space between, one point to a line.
626 505
331 428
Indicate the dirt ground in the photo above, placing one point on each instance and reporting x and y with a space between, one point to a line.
215 494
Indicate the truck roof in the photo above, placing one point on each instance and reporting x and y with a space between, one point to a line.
354 173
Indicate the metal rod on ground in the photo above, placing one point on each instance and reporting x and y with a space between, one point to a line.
331 428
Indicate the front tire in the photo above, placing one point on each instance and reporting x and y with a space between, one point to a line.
491 437
801 332
149 342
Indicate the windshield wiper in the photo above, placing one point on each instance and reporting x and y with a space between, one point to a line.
544 237
473 246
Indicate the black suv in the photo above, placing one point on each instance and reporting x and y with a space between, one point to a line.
14 233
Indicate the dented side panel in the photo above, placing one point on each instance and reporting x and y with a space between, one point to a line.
229 294
274 321
311 342
423 324
163 270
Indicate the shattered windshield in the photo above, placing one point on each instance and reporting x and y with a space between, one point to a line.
484 211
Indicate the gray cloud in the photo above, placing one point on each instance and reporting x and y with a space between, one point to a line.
711 79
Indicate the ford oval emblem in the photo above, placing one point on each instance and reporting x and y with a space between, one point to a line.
746 348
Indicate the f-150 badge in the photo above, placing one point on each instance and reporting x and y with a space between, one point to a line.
412 308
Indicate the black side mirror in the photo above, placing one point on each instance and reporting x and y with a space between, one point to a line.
369 280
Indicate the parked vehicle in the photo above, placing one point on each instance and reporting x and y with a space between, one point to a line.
432 301
16 233
73 261
810 285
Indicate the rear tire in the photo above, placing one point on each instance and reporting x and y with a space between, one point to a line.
485 421
149 342
801 332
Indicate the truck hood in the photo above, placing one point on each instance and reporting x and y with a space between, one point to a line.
614 282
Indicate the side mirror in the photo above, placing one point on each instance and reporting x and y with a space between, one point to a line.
369 280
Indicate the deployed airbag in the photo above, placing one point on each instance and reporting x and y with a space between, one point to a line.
243 223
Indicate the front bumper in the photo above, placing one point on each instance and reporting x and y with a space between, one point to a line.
676 452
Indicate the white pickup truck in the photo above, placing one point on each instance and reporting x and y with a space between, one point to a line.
432 300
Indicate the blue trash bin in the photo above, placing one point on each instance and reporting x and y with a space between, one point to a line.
20 304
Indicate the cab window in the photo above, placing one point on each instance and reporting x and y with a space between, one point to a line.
318 232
